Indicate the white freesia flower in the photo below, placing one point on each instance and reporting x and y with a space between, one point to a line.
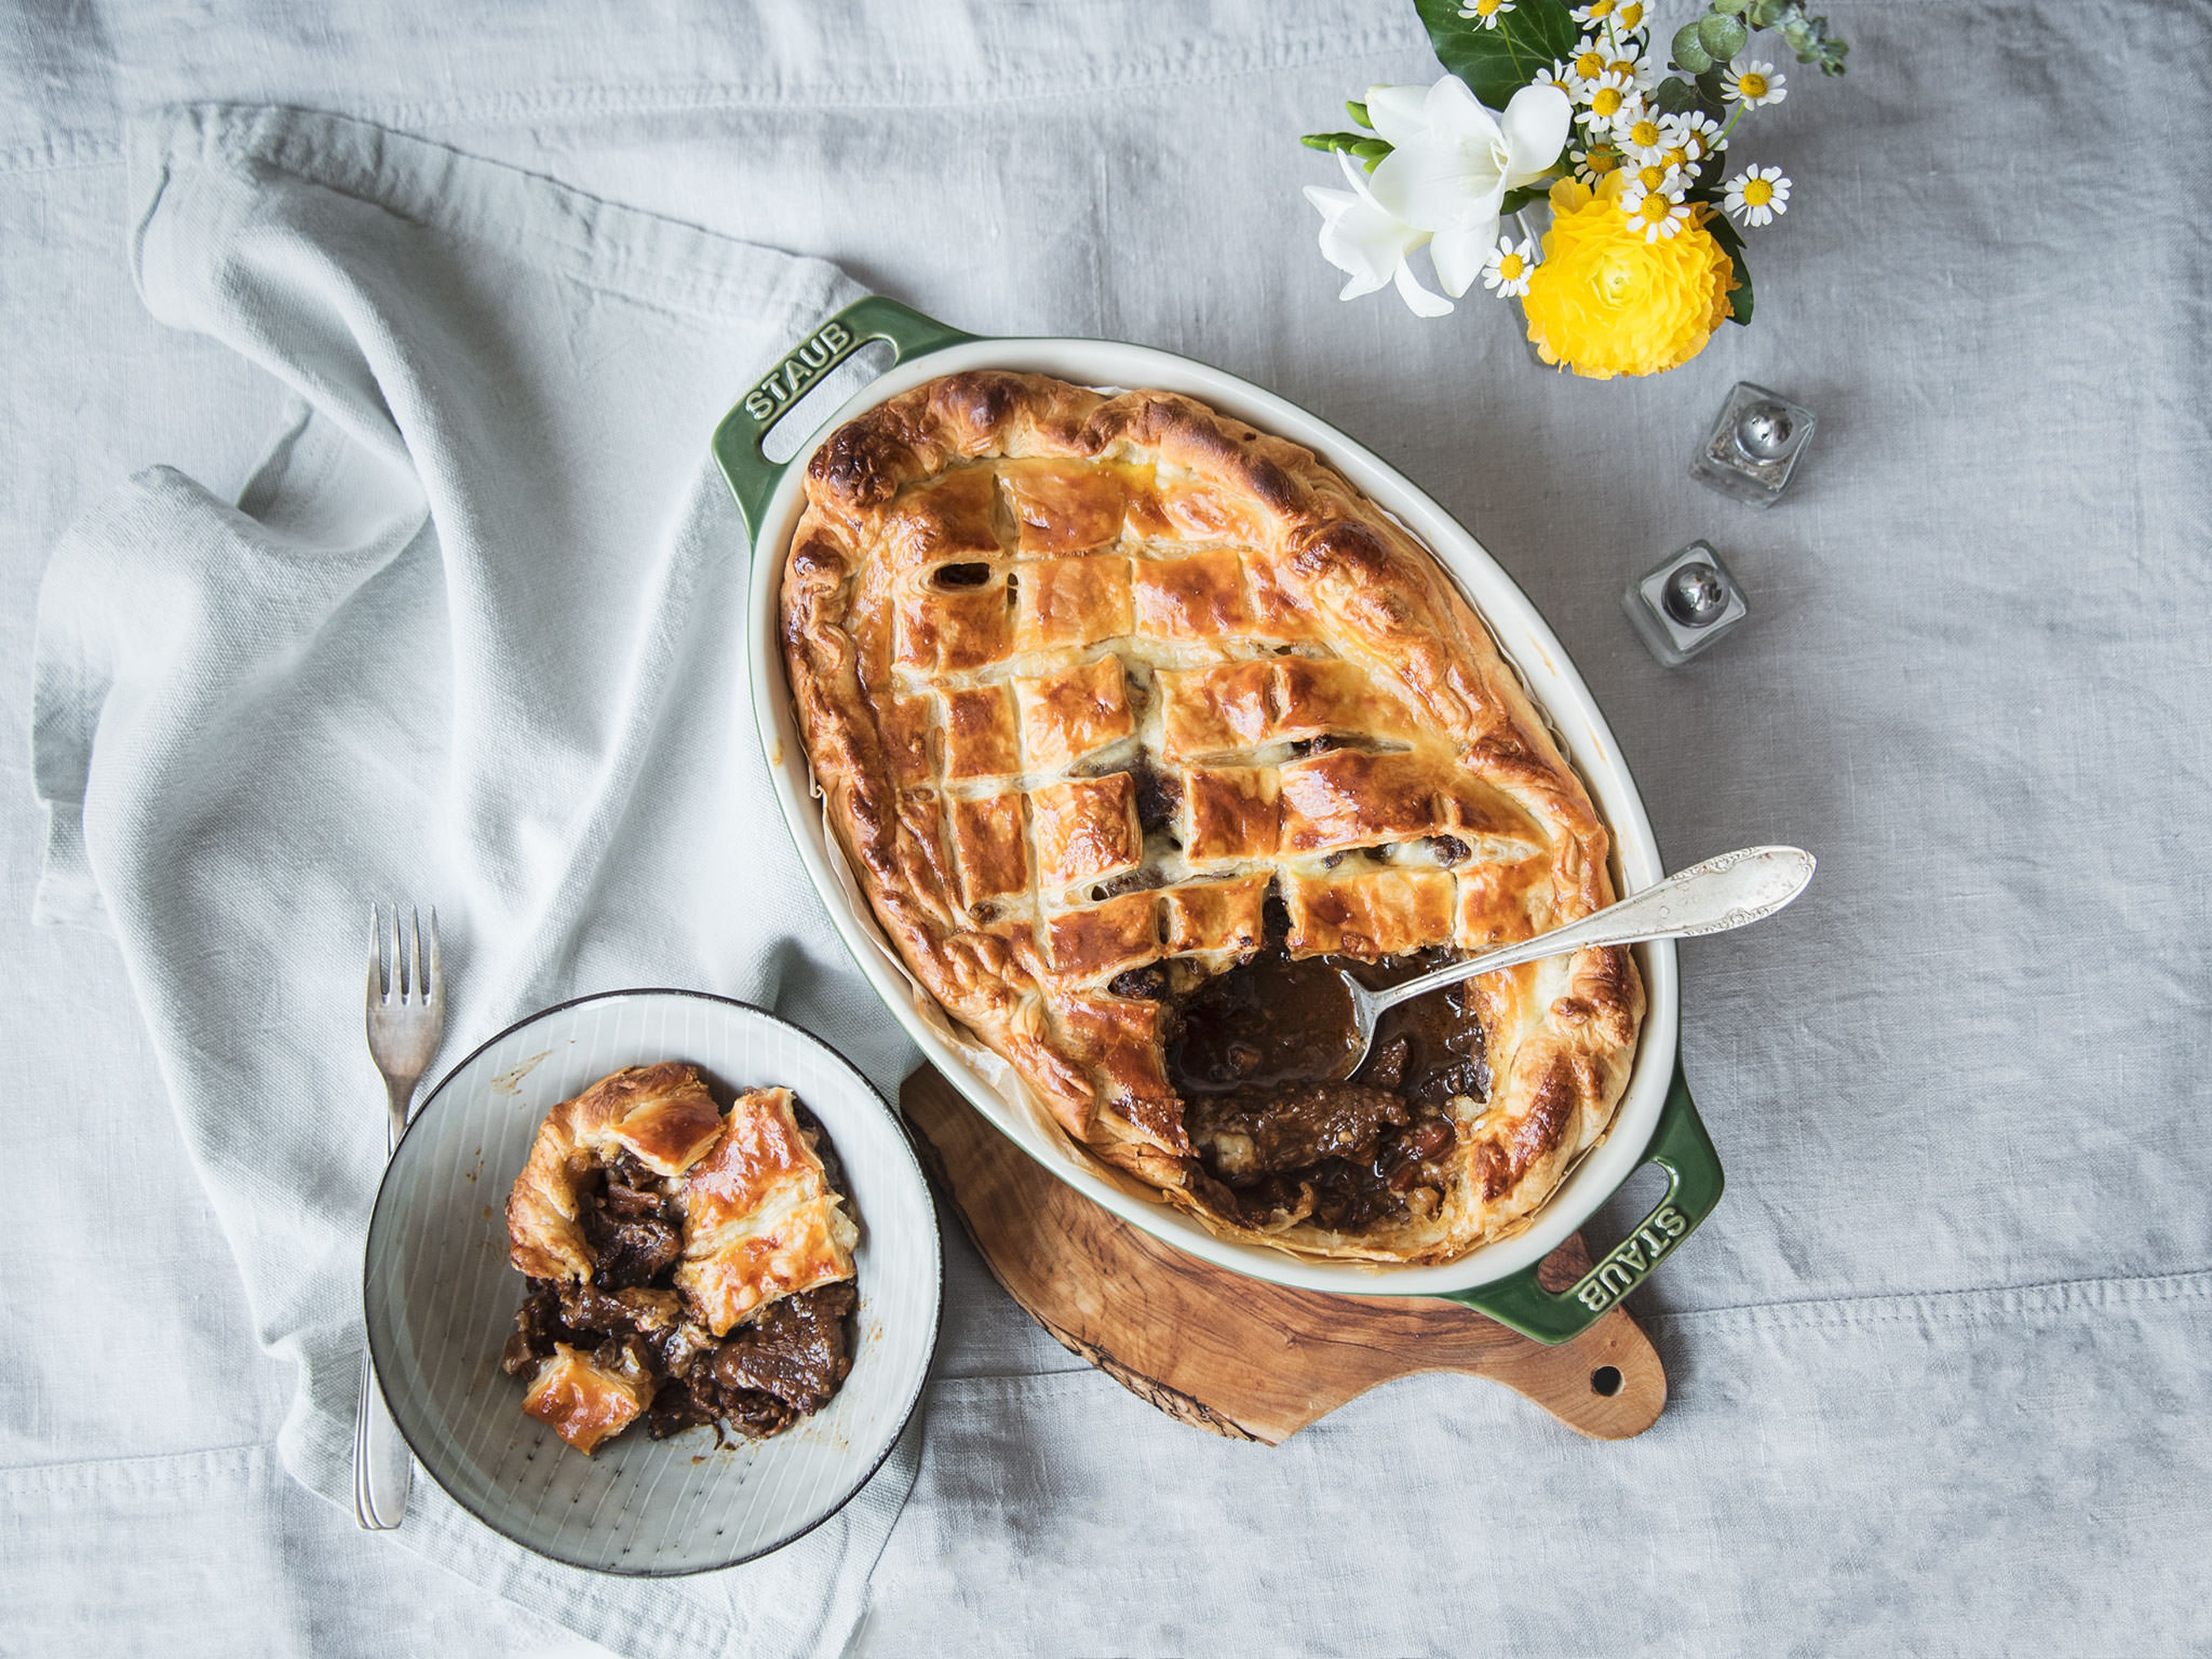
1369 244
1454 160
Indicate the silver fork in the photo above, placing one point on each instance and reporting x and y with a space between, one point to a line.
406 1017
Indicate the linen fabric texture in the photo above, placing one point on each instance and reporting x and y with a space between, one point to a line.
1934 1365
464 638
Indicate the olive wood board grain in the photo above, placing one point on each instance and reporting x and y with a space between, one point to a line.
1237 1355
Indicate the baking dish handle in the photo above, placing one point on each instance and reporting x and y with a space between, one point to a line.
1678 1145
752 476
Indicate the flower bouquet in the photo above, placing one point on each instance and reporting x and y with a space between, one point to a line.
1644 257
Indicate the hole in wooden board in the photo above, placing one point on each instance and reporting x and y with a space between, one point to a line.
1605 1380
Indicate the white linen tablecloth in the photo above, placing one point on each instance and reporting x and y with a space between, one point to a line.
1937 1362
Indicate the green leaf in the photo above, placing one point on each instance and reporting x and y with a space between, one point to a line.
1363 145
1731 8
1674 95
1765 14
1721 38
1359 115
1690 51
1496 63
1516 199
1739 297
1831 57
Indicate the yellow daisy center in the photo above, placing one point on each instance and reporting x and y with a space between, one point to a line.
1676 157
1751 86
1600 9
1644 134
1651 177
1590 64
1600 161
1605 102
1652 210
1757 192
1631 14
1485 8
1511 266
1626 65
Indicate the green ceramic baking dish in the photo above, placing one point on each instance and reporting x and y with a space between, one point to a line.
1655 1122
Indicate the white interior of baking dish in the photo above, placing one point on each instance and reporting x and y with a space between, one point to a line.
1521 632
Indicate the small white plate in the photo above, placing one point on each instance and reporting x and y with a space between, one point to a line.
440 1298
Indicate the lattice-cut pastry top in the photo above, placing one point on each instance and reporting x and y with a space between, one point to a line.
1099 688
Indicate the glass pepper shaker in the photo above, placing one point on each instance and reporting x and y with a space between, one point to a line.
1684 603
1753 445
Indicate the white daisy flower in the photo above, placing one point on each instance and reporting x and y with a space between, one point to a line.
1751 83
1697 133
1659 213
1485 13
1629 16
1757 195
1559 74
1597 11
1603 100
1638 66
1593 163
1591 55
1650 179
1506 272
1640 133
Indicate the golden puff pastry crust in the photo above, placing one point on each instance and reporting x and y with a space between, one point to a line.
1089 682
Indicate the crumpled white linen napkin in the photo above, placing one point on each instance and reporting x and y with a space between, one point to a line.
473 635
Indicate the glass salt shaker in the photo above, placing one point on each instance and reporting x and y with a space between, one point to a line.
1684 603
1753 445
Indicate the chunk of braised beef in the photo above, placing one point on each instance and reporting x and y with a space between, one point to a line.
538 1326
1292 1127
590 1308
1148 984
793 1349
1385 1067
629 1253
1159 795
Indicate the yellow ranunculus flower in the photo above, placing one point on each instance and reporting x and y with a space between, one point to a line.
1604 302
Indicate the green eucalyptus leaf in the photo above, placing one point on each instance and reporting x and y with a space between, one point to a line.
1690 53
1497 62
1516 199
1831 57
1731 8
1359 113
1765 14
1722 37
1674 95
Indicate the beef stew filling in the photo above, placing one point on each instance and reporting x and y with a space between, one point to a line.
1276 1146
785 1363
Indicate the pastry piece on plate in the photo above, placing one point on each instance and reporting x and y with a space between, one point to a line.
686 1265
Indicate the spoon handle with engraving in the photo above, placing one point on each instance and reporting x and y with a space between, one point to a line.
1733 890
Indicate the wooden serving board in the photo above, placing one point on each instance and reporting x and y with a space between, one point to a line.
1236 1356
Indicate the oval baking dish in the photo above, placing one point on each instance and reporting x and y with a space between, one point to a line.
1655 1122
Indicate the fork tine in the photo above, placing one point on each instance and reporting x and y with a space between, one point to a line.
434 985
375 956
395 982
414 956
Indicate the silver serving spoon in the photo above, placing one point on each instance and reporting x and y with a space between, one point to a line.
1732 891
